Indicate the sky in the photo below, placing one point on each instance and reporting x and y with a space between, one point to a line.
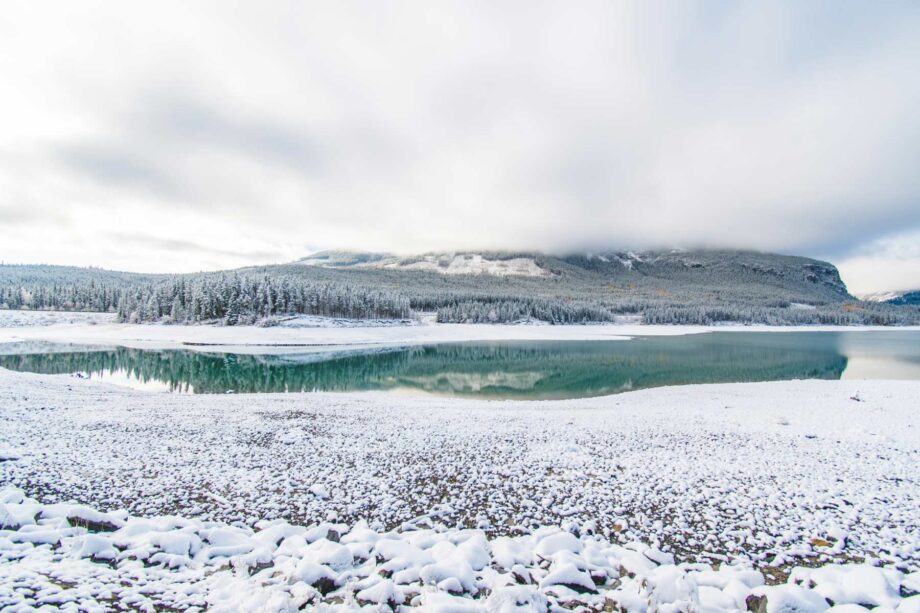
182 136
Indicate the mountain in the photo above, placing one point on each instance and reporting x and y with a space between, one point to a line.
660 286
664 286
448 263
808 280
907 297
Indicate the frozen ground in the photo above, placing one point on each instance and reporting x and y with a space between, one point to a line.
775 473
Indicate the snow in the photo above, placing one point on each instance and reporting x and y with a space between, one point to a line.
909 605
881 296
792 599
863 585
569 575
467 264
292 436
7 455
316 321
447 263
330 336
669 499
23 319
699 474
555 543
178 563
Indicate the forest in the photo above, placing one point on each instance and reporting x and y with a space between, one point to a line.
668 288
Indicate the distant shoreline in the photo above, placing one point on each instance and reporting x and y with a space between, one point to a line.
100 329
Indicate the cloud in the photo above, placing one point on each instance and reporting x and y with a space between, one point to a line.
417 126
113 166
12 216
192 247
888 264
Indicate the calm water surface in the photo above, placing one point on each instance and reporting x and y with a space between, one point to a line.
525 369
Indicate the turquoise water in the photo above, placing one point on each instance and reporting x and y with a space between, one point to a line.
525 369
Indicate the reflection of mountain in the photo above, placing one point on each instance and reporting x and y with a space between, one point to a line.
596 368
483 382
510 369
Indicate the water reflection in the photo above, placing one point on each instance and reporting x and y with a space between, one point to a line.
501 370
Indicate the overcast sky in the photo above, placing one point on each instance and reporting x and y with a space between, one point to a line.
180 136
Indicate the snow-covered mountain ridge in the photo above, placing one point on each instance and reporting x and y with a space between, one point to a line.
671 263
448 263
901 297
675 286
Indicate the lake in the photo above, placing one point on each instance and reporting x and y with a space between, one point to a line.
507 369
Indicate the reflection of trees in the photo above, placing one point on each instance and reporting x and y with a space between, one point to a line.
532 369
213 373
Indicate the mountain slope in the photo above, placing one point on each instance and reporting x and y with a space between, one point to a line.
675 286
910 297
806 279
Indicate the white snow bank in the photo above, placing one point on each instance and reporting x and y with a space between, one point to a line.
316 321
316 333
31 319
314 336
174 562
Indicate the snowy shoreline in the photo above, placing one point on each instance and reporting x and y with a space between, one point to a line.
73 555
791 460
673 498
628 499
100 329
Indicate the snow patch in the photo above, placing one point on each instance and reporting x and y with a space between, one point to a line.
469 264
30 319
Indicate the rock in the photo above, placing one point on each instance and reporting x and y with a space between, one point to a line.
92 525
756 604
382 592
324 585
521 575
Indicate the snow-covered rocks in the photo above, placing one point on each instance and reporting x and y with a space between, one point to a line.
700 473
554 543
622 502
570 576
186 564
786 599
292 436
862 584
319 490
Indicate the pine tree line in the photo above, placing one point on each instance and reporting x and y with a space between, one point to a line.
510 311
238 299
262 295
91 296
846 314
